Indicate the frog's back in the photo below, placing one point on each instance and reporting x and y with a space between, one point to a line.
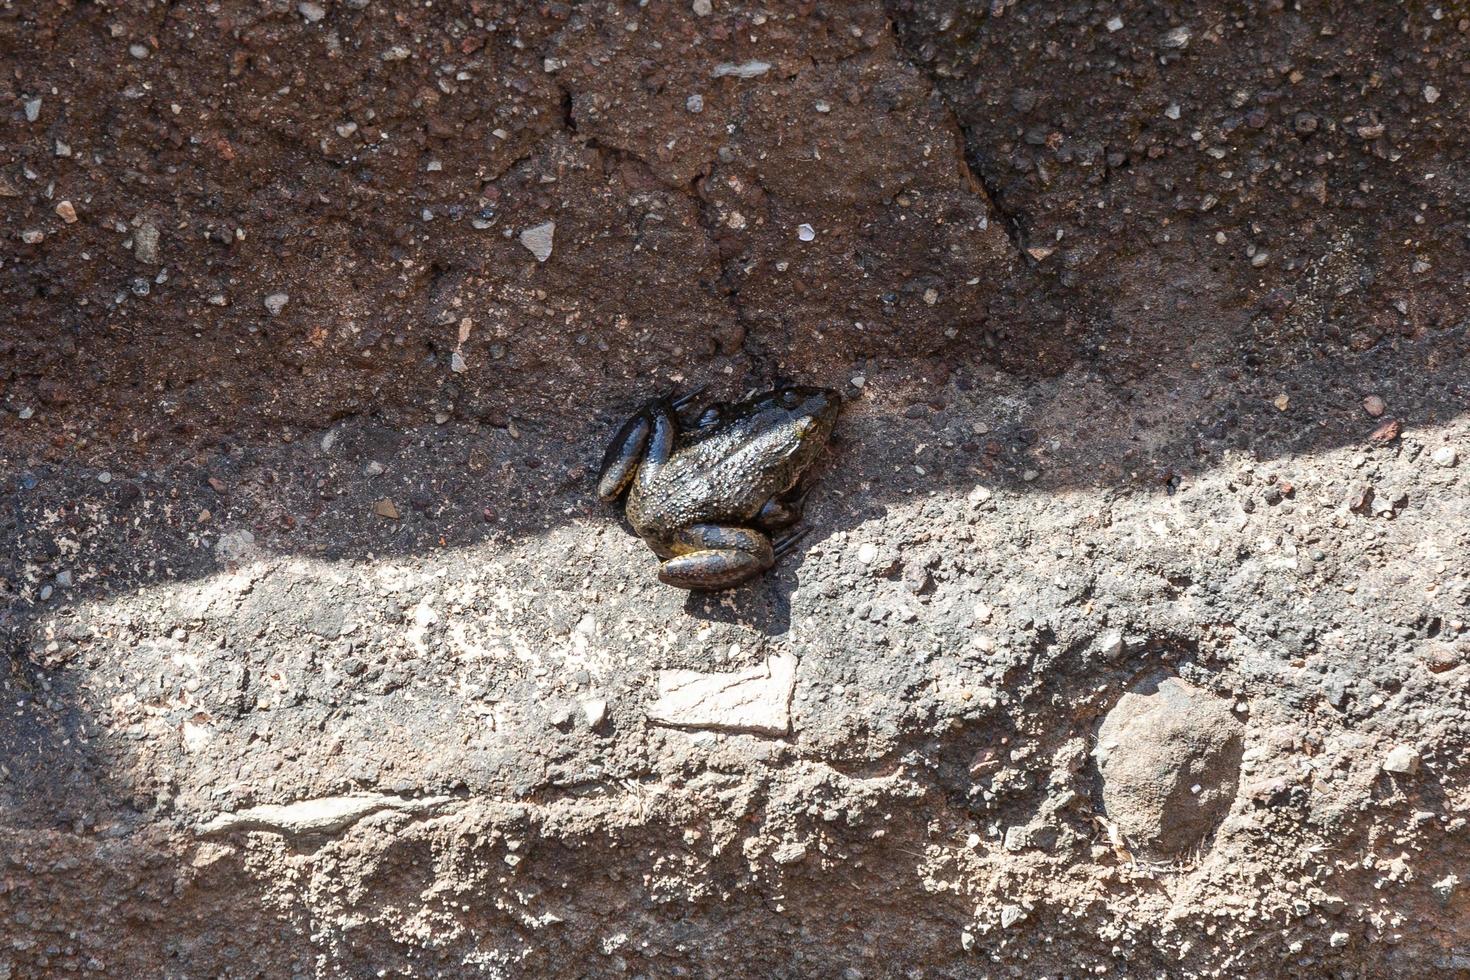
724 479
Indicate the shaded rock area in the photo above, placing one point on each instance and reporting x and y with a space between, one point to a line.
1169 758
1131 631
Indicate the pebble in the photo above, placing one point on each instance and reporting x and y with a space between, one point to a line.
313 12
1374 405
373 468
1114 25
46 592
276 302
385 509
702 8
145 243
1338 940
1387 432
66 212
104 477
805 232
538 240
1431 94
867 551
695 103
1282 402
1177 39
1401 759
33 236
1444 456
33 109
346 129
139 51
64 579
748 69
594 710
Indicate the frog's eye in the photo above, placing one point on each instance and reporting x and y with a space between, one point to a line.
789 398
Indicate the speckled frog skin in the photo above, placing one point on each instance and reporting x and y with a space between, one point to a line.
706 499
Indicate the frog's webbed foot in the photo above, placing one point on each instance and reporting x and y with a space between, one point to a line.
709 556
653 423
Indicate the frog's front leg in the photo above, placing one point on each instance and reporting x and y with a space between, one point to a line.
709 556
644 442
782 512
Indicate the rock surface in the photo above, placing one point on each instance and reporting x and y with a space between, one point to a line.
1150 319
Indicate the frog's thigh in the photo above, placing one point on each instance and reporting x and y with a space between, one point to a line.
709 556
623 455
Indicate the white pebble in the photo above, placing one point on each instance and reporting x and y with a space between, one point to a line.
806 232
538 240
276 302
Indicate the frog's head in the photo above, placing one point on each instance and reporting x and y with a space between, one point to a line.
801 417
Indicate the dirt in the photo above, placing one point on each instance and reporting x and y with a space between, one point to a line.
1130 634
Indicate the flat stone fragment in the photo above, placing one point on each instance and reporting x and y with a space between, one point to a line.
746 69
757 699
539 239
325 815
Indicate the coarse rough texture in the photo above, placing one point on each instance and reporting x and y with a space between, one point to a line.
319 657
1168 759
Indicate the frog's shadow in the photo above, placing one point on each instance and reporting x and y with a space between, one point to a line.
762 605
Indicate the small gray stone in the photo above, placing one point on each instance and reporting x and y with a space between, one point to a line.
1444 456
276 302
313 12
373 468
702 8
594 710
145 243
33 109
538 240
746 69
1401 759
1177 39
63 579
235 546
695 103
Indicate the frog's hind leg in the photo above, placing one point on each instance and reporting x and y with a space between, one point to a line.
647 437
708 556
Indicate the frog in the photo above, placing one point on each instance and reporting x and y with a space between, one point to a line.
718 500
